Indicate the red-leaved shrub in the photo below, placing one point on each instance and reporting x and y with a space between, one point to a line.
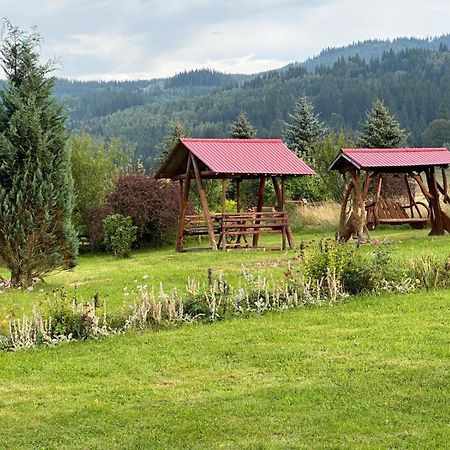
95 225
152 205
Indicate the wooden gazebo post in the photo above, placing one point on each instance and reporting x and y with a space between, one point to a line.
259 207
185 185
437 226
204 202
238 195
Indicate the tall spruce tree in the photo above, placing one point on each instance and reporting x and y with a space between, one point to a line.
381 129
303 128
176 131
242 128
36 187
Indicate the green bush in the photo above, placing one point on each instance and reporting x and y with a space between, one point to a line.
120 234
327 256
356 271
367 272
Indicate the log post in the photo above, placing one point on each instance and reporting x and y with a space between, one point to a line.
344 233
377 198
223 237
183 205
412 202
437 226
261 190
238 195
224 199
282 208
204 202
359 207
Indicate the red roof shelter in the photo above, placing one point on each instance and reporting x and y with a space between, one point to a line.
365 165
391 158
235 159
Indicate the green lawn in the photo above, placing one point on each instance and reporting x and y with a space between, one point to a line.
109 276
371 373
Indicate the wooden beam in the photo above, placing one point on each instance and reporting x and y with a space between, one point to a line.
343 233
377 197
283 208
367 181
444 189
276 187
224 198
441 189
238 195
437 225
412 202
222 234
279 196
261 190
204 203
416 176
183 206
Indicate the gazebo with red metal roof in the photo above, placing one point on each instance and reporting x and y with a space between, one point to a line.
236 159
374 162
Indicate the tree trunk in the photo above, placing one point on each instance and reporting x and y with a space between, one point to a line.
20 278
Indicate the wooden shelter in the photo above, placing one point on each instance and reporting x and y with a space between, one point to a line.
233 159
365 166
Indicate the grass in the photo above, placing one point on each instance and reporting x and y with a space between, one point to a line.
371 373
109 276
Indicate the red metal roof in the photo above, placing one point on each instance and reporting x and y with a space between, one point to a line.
247 156
365 158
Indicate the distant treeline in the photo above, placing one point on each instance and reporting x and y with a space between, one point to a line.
415 85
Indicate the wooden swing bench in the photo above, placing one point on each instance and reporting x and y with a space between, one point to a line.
391 212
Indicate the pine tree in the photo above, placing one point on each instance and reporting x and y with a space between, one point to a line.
381 129
242 128
36 187
172 138
303 129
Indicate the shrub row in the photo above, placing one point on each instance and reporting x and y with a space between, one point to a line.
327 273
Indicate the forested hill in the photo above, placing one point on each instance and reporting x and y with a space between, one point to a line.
373 48
415 84
86 100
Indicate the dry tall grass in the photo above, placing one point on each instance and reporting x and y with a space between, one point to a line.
320 214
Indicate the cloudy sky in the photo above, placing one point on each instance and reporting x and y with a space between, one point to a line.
129 39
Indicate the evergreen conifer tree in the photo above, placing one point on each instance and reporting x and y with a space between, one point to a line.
303 128
381 129
176 132
242 128
36 187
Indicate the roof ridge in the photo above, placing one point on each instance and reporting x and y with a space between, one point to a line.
230 140
395 150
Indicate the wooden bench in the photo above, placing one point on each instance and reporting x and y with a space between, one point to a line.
391 212
195 225
240 225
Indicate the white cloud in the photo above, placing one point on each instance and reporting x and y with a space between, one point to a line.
151 38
